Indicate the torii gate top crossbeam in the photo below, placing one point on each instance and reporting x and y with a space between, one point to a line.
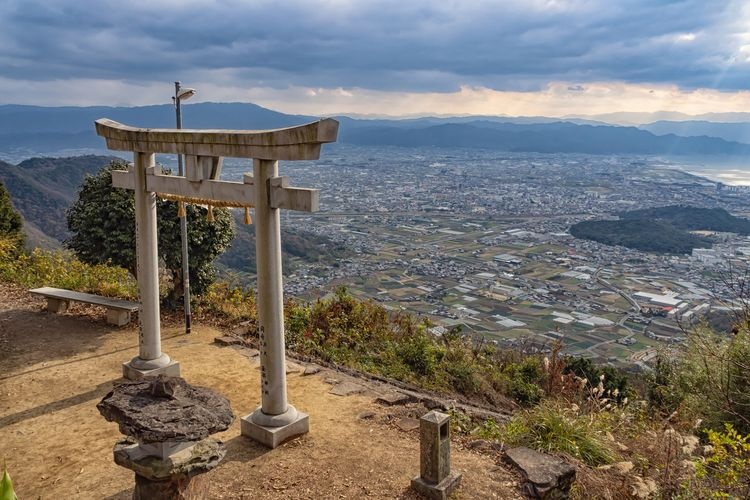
293 143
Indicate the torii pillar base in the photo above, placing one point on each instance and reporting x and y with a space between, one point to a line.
273 430
138 369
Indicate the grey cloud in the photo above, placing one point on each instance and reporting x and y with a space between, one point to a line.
389 45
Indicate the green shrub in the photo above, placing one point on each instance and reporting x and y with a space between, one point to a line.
552 428
60 269
419 353
663 394
615 382
725 472
11 224
525 380
228 303
713 374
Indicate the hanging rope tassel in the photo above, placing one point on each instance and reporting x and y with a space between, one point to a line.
247 219
180 209
210 217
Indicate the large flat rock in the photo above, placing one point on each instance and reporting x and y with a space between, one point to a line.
547 477
166 409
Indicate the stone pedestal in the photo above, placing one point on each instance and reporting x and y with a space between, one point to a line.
435 480
138 369
168 421
173 476
176 489
273 430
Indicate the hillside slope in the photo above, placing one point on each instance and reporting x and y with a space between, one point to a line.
41 189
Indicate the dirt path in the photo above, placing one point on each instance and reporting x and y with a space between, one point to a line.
55 368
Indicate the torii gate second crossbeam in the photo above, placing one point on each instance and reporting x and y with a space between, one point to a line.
275 420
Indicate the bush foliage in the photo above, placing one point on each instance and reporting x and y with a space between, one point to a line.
11 225
102 224
62 270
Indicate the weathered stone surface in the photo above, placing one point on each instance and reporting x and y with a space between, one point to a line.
435 478
202 457
244 328
227 340
547 477
311 370
395 398
166 409
292 368
346 389
407 424
441 491
272 437
246 351
131 372
434 447
183 488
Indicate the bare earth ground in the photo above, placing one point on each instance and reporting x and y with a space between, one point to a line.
55 368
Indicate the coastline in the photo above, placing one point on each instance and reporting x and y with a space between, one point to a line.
728 177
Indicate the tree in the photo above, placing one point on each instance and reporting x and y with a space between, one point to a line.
102 226
11 225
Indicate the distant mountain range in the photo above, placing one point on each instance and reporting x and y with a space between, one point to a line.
30 131
630 118
734 132
557 137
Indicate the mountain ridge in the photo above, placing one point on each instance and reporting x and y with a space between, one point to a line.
29 130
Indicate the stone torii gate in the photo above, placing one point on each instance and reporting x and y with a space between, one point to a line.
275 420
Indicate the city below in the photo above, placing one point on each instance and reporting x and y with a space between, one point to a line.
480 239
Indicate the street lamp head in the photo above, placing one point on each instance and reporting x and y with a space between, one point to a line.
185 94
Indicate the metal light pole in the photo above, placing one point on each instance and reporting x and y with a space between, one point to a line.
181 94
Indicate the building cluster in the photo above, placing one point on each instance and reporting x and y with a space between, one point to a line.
480 239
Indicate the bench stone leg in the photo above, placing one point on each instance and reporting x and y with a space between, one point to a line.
57 305
118 317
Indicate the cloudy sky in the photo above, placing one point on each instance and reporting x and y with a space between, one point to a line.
384 57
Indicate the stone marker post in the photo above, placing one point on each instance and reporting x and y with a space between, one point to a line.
435 478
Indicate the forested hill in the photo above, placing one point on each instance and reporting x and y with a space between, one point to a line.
663 229
42 188
693 218
639 234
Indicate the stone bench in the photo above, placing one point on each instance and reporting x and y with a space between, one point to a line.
118 310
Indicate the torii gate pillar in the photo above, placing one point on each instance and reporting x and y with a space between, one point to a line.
275 420
150 361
